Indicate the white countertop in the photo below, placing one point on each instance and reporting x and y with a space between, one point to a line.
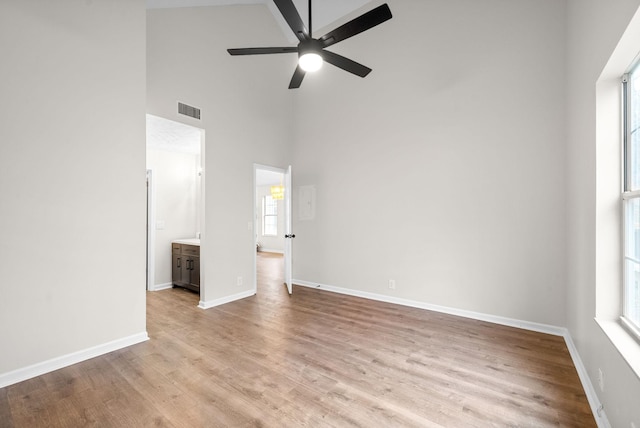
187 241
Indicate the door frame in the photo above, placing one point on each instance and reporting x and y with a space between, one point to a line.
257 167
151 232
151 211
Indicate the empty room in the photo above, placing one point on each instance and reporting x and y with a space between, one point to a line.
452 239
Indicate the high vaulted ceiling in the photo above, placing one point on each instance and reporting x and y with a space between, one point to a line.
325 12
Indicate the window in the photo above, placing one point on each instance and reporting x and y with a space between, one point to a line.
631 200
269 216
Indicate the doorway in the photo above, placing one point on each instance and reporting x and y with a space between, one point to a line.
269 225
175 193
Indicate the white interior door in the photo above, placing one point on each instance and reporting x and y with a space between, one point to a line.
288 233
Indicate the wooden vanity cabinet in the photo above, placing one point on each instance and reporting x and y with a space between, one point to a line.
185 266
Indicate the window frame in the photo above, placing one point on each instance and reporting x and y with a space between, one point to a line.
628 194
265 215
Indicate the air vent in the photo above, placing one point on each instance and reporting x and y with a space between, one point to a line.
189 111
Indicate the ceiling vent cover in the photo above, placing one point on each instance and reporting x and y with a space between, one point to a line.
188 110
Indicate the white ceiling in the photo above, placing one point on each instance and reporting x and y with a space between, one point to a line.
159 4
325 12
268 178
163 134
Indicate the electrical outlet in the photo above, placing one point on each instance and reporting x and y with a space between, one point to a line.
392 284
601 380
239 280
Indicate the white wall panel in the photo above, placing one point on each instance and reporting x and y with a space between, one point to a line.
444 168
72 177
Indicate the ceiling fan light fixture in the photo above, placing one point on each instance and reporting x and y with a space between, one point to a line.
311 51
310 61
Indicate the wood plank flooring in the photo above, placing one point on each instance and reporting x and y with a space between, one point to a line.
313 359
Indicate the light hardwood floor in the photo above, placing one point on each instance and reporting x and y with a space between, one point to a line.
313 359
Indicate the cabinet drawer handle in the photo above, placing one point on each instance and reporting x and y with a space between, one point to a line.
178 260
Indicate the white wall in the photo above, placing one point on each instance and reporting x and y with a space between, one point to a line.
269 243
444 168
72 177
175 177
246 113
593 185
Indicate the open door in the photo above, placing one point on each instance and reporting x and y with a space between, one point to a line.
288 233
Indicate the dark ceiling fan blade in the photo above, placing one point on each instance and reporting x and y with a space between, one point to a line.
291 15
296 80
345 63
356 26
261 51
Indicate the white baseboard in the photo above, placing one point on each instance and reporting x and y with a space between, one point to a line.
527 325
38 369
164 286
228 299
592 397
594 402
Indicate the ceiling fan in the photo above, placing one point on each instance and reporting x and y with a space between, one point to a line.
312 52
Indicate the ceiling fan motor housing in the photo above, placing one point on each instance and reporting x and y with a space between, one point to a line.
309 46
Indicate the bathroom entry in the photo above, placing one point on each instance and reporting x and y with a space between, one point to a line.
175 188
